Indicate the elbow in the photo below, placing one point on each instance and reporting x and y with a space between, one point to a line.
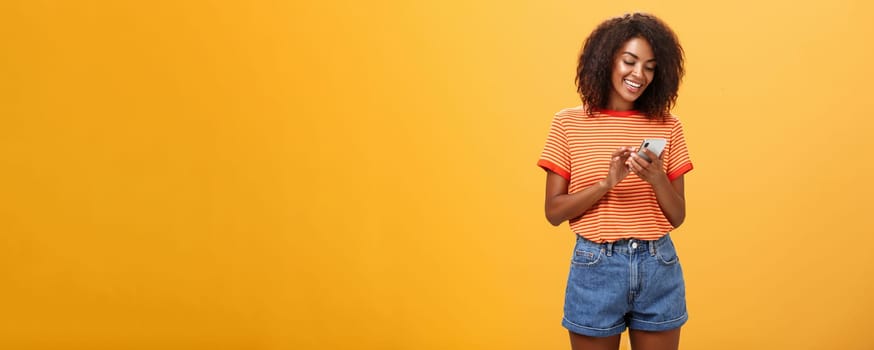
678 220
675 214
553 213
553 219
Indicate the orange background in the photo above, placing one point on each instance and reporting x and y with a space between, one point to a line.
323 175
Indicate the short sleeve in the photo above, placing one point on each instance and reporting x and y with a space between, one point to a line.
677 161
556 156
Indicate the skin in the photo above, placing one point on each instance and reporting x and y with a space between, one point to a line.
639 340
635 63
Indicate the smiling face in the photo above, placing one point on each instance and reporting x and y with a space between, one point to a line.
633 70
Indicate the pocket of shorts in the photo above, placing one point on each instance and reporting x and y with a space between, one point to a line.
586 256
666 253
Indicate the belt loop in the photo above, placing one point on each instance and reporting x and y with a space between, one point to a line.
610 249
652 247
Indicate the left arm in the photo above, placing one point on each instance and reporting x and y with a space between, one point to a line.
670 194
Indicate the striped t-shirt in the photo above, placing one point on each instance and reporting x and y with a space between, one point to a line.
579 148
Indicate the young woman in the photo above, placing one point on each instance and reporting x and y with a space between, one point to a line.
624 269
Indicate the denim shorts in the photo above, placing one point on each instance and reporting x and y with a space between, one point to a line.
628 283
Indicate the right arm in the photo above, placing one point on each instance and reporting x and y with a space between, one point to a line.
562 206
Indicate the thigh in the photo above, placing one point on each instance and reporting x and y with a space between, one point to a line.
646 340
584 342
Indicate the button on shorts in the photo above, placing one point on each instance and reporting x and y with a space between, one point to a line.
628 283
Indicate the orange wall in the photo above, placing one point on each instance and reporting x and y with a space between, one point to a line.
266 175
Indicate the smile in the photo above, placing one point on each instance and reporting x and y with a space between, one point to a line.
631 83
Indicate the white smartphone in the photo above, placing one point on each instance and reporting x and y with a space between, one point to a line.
653 145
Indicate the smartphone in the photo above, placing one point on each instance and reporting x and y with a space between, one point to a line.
654 145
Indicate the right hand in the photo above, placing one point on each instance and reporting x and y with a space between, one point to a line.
618 169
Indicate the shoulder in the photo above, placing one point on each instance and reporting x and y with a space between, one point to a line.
577 112
673 120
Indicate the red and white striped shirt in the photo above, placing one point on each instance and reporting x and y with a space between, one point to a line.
579 148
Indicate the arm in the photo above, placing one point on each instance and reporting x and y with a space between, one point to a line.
562 206
672 200
670 194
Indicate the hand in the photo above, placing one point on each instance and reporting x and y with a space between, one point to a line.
651 172
618 168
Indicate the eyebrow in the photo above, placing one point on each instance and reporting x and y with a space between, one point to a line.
637 58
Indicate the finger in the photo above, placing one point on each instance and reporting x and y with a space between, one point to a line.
651 155
619 165
623 153
639 172
620 151
635 164
657 161
644 152
636 158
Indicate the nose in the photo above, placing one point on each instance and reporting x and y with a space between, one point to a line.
637 71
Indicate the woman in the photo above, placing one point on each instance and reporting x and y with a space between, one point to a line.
621 206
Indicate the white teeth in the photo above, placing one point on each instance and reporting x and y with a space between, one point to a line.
632 84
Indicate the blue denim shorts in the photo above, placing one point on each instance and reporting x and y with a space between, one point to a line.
627 283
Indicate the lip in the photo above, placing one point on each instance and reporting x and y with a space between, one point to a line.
631 88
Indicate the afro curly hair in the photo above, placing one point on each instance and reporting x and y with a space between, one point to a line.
599 54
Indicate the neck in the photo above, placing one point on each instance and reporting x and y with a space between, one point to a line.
620 106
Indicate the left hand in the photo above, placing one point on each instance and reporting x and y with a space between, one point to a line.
651 172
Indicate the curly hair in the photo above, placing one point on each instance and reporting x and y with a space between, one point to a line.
599 54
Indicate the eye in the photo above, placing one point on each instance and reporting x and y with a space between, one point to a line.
651 69
628 63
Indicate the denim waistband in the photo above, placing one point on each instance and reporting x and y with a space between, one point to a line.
631 245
